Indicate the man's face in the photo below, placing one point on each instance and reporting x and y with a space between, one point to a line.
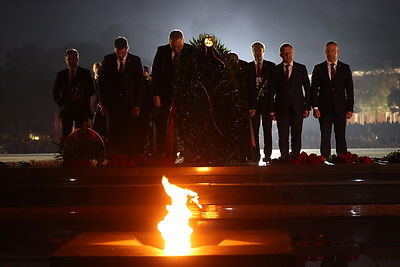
234 57
258 52
121 53
331 52
146 74
287 54
72 60
176 45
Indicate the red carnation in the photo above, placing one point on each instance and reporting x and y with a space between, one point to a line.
366 160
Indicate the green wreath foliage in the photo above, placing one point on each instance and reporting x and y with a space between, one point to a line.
392 157
209 103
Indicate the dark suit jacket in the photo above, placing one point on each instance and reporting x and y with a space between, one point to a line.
62 91
268 69
332 98
162 72
290 92
112 83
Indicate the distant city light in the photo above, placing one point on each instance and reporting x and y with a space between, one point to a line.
34 137
360 73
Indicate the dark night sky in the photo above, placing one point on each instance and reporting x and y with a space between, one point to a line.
368 31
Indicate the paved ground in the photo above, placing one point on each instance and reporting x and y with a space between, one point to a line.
44 210
371 152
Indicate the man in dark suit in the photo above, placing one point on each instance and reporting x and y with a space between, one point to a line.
261 72
246 142
72 91
121 89
165 66
332 98
289 103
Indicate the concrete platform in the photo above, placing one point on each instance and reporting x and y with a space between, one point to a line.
216 248
354 207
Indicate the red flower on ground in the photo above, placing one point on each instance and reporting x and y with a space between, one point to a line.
304 158
365 160
349 158
355 158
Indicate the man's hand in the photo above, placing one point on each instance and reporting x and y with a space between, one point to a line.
316 113
306 113
157 101
349 114
104 110
135 111
252 112
273 116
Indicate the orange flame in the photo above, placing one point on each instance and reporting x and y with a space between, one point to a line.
175 227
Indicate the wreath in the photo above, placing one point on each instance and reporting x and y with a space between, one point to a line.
81 148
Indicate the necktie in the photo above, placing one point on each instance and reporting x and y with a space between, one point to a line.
259 73
175 61
333 72
287 72
121 66
73 80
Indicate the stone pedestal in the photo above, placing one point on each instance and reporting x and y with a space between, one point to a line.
215 248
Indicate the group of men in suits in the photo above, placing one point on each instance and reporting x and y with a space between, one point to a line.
276 92
286 95
120 86
121 89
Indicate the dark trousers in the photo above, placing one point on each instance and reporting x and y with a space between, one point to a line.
145 135
339 126
293 123
161 116
99 123
245 138
262 117
67 121
123 129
